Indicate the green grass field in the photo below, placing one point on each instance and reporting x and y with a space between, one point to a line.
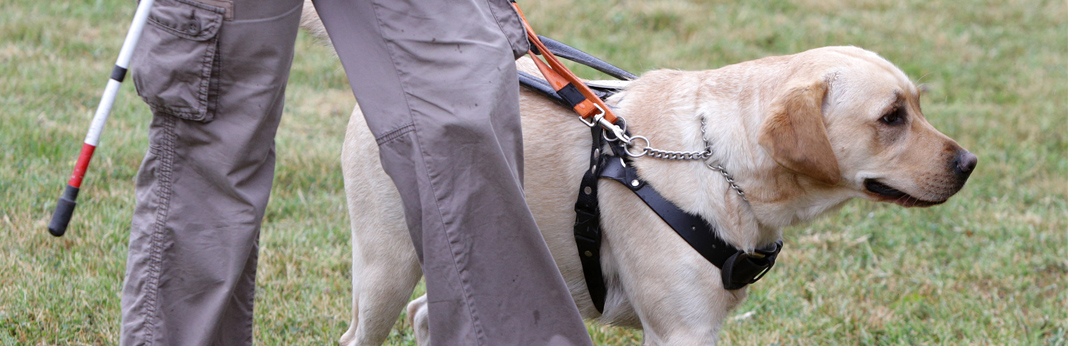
990 267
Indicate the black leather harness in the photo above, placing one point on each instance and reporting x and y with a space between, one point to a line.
737 267
608 159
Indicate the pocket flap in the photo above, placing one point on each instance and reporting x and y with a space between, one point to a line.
188 19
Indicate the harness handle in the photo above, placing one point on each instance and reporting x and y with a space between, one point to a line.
584 102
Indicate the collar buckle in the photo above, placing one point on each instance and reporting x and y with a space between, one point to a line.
742 269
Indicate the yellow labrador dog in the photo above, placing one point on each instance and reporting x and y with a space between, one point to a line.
801 134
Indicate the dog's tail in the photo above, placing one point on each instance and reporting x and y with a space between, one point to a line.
310 22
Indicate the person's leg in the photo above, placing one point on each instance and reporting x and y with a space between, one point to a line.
437 83
214 77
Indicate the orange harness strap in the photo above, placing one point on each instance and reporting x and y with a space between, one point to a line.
564 82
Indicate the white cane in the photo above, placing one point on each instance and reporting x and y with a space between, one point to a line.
65 206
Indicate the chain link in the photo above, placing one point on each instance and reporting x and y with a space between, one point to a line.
730 180
677 155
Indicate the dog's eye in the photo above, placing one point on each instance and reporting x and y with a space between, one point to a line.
894 117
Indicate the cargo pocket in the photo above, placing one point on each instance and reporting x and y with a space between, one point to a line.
175 67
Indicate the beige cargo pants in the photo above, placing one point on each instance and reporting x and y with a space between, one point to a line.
437 83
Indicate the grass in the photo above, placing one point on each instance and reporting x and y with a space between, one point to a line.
990 267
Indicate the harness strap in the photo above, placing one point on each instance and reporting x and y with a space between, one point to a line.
576 93
571 53
542 87
588 225
737 267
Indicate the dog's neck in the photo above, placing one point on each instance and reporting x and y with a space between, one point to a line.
777 197
716 201
731 114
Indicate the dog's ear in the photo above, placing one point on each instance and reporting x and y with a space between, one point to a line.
794 133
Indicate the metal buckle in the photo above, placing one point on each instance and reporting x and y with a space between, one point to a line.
765 271
596 118
733 279
769 255
618 132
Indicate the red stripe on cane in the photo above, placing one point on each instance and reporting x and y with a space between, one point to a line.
82 165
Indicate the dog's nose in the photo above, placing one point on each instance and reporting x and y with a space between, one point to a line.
966 162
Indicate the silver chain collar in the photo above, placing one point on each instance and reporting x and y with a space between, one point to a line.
619 133
649 151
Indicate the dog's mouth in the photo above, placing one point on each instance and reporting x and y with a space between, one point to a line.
889 194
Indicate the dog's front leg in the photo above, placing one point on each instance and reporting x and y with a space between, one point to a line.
696 321
676 293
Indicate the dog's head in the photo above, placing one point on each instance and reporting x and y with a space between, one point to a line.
848 119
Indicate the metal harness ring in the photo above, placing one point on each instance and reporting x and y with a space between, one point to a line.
631 143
